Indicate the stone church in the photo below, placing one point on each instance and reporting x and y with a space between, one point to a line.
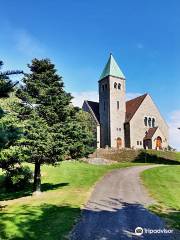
136 123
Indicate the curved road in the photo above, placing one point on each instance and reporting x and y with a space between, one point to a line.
116 207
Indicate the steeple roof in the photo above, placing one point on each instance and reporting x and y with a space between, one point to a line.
112 69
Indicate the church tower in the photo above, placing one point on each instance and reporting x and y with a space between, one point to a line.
112 105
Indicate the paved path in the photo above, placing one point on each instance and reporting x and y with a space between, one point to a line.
116 207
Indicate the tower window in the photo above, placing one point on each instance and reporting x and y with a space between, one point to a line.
149 122
105 86
145 121
117 105
153 122
119 86
115 85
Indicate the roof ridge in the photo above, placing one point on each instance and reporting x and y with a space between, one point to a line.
144 95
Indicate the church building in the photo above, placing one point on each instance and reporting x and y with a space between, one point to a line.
136 123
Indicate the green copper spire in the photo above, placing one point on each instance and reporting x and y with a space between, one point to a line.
112 69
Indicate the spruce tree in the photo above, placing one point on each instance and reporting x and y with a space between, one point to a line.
52 131
10 132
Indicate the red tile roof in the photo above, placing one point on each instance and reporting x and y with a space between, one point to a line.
150 133
133 105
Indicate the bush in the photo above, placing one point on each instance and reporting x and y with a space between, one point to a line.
18 178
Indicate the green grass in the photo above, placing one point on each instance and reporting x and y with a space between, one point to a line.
178 156
164 185
52 214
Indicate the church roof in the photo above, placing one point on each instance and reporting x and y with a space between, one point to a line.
95 109
133 105
112 69
150 133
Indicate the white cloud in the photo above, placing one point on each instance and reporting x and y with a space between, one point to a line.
79 97
27 44
174 132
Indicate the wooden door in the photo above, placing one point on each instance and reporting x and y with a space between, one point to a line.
119 143
159 143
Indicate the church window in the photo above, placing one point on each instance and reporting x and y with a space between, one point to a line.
140 142
119 129
149 122
115 85
119 86
137 142
153 122
117 105
145 121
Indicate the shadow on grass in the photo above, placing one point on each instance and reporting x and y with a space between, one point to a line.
172 216
46 221
9 195
106 219
148 157
49 186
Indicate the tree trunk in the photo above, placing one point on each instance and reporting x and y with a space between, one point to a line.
37 177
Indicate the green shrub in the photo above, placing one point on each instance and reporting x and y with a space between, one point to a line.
18 178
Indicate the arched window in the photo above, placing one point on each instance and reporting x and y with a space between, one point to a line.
119 86
115 85
117 105
153 122
145 121
149 122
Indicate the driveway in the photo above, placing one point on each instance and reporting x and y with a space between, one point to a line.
116 207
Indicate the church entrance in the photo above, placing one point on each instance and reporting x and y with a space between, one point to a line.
119 143
158 143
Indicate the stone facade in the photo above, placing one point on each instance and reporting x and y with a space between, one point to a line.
112 110
138 129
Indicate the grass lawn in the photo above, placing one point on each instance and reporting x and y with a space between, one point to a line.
164 185
52 214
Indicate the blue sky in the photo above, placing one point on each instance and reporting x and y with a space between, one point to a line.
144 37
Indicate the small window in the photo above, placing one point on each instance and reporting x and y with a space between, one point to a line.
115 85
145 121
117 105
137 142
104 106
105 86
119 86
153 122
119 129
140 142
149 122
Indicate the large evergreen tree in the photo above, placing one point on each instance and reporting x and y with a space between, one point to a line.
10 132
53 129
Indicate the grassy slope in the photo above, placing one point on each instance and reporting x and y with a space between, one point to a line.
164 185
52 214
